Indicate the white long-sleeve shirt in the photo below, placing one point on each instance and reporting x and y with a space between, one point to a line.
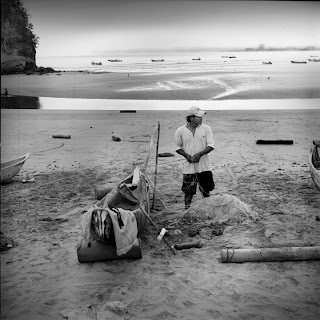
192 144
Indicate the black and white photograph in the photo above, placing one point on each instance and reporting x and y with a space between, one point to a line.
160 159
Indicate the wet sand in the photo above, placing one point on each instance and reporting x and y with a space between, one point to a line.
252 84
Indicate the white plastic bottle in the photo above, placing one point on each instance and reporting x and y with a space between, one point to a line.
163 231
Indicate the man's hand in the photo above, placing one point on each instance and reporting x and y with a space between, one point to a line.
196 157
189 158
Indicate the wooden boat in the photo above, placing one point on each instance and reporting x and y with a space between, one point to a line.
12 167
293 61
197 59
129 194
314 163
155 60
224 56
232 57
96 63
267 62
115 60
314 60
132 193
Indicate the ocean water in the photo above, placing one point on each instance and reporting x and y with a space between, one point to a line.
180 63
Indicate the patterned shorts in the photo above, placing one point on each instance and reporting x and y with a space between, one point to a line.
203 179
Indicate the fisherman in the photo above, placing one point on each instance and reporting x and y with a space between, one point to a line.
194 141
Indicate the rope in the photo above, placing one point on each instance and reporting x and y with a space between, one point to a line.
49 149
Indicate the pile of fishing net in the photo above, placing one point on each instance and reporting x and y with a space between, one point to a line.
219 208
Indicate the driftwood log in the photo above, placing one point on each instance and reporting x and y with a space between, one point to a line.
166 154
274 141
270 254
188 245
61 136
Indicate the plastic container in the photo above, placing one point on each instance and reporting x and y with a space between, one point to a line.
163 231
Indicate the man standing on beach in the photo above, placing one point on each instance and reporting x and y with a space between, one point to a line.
194 141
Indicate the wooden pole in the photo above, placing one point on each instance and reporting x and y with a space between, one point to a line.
156 169
155 226
270 254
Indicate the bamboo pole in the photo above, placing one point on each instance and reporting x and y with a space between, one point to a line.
156 169
270 254
155 226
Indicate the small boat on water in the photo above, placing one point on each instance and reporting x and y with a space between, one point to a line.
197 59
269 62
115 60
96 63
157 60
314 60
293 61
224 56
12 167
232 57
314 163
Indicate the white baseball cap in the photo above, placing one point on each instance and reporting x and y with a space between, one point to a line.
195 111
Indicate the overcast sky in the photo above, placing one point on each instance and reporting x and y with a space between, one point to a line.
92 27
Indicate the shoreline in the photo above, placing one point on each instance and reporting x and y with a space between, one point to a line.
48 103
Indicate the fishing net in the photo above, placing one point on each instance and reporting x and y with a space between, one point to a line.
220 208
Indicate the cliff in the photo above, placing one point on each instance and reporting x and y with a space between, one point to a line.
18 42
15 63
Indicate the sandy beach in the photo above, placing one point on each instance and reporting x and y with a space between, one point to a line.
41 277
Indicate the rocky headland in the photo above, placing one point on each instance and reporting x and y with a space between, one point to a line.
18 41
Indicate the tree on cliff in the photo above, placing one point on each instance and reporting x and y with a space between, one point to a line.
17 35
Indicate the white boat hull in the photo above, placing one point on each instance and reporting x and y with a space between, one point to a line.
12 167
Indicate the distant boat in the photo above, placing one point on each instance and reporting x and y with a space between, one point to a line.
224 56
292 61
154 60
314 60
115 60
232 57
313 56
96 63
196 58
267 62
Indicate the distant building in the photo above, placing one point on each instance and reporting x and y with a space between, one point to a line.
261 47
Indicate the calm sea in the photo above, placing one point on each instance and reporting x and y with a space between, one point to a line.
176 62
